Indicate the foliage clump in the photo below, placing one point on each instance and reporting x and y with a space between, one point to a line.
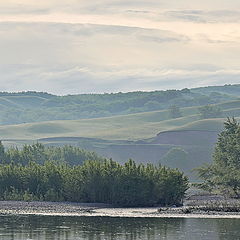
174 112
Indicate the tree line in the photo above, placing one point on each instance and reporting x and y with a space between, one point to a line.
38 153
95 181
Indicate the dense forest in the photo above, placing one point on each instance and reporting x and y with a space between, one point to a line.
36 106
71 174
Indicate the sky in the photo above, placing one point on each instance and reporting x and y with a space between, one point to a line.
79 46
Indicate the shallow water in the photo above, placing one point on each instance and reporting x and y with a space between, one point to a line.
99 228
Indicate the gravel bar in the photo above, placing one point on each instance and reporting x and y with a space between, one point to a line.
101 210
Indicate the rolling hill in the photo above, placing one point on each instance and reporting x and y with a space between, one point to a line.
125 127
28 107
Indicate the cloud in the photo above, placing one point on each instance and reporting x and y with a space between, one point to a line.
80 58
83 79
201 16
55 43
20 9
165 38
111 45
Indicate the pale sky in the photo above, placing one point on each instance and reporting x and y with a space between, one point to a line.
80 46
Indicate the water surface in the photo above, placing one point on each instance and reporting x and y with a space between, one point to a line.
99 228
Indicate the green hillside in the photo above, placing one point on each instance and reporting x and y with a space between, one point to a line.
125 127
27 107
228 89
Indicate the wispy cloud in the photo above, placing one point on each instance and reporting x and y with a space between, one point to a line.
79 79
200 16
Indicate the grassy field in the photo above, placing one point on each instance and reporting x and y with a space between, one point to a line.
126 127
130 127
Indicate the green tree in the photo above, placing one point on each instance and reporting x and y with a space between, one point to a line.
176 158
2 153
152 105
210 111
223 175
174 112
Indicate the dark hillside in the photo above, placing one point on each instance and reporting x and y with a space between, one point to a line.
187 137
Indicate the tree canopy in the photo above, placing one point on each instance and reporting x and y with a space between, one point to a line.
223 175
40 154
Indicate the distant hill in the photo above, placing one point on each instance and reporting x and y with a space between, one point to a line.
27 107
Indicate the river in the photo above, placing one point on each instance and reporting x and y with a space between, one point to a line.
104 228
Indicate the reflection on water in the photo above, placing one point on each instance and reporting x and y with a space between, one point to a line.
99 228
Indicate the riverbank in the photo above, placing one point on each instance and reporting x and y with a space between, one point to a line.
104 210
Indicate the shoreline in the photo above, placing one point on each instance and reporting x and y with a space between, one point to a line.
69 209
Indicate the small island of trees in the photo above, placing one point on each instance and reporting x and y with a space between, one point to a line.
68 173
